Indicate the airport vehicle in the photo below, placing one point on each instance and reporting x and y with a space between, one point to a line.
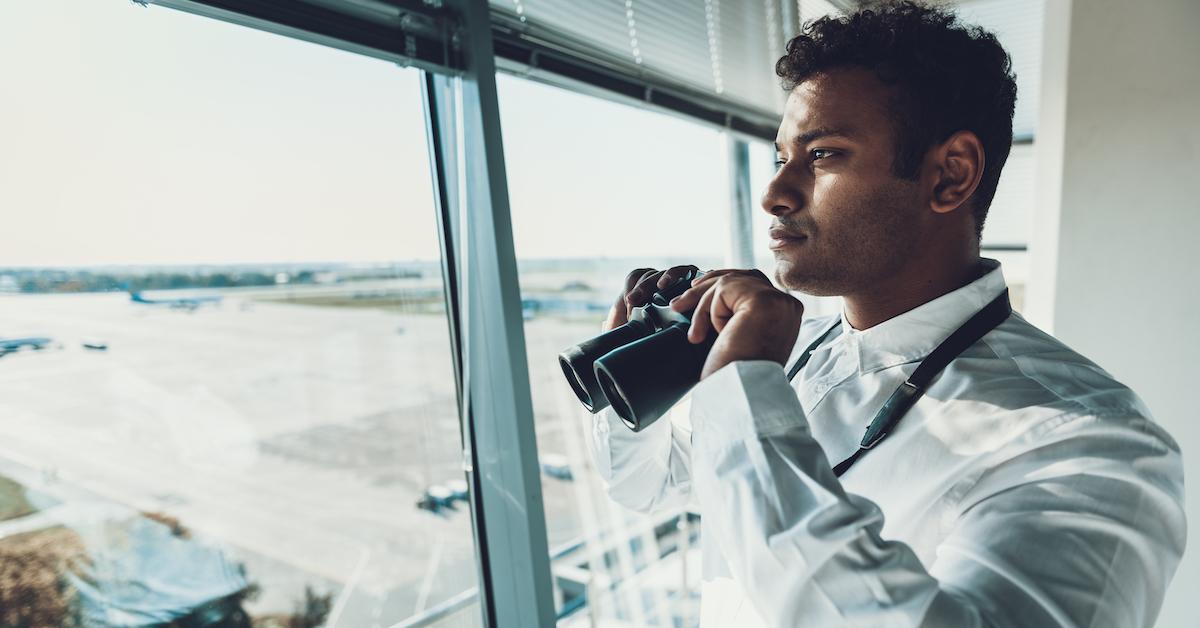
94 344
13 345
556 466
458 490
437 499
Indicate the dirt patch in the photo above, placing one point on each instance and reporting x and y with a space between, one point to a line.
33 590
309 613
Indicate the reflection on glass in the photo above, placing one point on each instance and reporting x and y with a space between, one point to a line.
226 391
597 190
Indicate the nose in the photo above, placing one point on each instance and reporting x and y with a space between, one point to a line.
782 196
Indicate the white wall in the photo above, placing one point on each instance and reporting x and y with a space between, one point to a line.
1115 270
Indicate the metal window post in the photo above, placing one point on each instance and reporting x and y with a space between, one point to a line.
497 411
741 241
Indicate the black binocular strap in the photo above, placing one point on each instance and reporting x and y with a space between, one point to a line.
910 391
803 359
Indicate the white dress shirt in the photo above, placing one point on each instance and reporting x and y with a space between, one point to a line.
1026 488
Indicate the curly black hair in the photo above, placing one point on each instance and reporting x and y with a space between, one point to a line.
945 77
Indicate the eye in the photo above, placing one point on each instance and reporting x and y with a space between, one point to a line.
822 153
779 163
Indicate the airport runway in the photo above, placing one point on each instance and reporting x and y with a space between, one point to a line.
297 437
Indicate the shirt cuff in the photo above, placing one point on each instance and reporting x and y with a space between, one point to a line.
746 399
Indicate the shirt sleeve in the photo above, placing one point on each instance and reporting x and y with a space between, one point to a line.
1083 528
644 471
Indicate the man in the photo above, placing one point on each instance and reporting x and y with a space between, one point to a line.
1023 487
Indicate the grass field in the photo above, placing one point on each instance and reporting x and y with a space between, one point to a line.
12 500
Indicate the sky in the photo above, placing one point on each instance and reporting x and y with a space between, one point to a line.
132 135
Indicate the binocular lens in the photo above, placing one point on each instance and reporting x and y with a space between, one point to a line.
641 368
576 382
577 362
619 403
644 379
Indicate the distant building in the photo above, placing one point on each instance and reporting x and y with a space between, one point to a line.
8 283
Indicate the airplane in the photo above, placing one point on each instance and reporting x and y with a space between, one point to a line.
190 304
13 345
437 499
535 305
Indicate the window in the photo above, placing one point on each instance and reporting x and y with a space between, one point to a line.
598 189
224 358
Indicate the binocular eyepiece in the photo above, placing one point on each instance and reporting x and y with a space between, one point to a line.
641 368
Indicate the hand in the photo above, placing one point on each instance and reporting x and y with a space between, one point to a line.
640 285
753 319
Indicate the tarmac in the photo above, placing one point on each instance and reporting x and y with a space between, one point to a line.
298 438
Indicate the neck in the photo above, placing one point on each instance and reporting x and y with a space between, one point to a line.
909 289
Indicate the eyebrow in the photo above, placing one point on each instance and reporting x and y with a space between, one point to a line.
818 133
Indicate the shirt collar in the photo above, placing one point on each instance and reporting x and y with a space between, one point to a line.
917 332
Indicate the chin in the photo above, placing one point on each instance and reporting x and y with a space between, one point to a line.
791 277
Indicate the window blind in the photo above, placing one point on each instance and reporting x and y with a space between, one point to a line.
711 59
1018 26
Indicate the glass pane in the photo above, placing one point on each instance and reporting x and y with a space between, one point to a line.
597 190
226 388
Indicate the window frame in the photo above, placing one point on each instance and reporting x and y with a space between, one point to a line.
479 267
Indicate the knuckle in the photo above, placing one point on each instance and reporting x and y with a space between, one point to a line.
634 278
637 273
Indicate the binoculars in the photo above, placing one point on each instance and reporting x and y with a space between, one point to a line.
643 367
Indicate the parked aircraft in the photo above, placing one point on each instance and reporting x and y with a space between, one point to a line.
179 303
534 305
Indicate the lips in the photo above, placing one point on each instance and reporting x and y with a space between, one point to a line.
781 238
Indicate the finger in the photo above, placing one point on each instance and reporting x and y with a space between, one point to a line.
719 311
631 282
691 296
633 278
701 323
713 274
618 314
675 273
708 278
641 293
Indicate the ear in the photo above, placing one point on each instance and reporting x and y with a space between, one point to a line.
954 168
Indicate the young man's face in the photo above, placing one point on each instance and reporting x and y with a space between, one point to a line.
843 221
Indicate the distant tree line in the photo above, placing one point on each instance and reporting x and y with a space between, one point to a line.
28 280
